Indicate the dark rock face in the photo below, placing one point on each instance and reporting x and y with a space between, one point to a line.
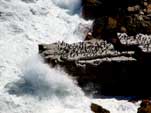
97 8
145 107
132 25
96 62
127 16
98 109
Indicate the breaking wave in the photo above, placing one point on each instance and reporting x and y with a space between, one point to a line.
39 79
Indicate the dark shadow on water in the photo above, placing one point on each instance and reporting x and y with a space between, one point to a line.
42 90
21 87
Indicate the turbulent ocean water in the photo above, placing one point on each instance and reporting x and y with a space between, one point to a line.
27 85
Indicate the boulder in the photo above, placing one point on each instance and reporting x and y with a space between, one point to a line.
98 109
145 107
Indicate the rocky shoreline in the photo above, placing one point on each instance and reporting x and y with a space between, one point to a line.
110 63
106 59
111 72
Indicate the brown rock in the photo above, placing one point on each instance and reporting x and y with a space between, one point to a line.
149 8
145 107
98 109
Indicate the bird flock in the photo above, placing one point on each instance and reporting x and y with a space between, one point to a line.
143 41
95 49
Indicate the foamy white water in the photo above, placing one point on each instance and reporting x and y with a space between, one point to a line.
27 85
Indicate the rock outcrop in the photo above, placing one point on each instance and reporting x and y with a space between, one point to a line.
82 51
98 109
97 8
127 16
113 64
97 62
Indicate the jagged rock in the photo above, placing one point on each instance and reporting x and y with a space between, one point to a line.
145 107
95 61
83 51
133 25
131 17
98 109
115 65
107 27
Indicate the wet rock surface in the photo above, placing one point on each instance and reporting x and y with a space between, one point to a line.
98 109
